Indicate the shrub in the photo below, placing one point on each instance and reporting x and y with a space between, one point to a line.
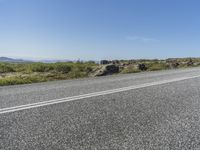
158 66
6 68
130 70
21 80
77 74
61 67
33 68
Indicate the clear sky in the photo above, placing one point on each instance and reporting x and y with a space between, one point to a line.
99 29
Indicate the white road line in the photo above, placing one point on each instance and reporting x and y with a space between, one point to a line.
95 94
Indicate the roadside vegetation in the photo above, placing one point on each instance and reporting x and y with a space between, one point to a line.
15 73
24 73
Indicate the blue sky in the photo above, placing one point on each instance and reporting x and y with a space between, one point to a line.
99 29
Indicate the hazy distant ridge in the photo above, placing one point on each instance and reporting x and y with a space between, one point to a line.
11 60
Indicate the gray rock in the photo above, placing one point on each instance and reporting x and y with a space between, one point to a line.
190 62
105 62
142 67
107 70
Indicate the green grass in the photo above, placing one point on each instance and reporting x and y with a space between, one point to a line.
130 69
21 80
157 66
64 67
40 72
4 68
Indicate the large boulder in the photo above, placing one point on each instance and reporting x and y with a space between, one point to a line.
142 67
115 62
174 65
105 62
107 70
190 62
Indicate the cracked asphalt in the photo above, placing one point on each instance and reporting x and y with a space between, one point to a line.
163 117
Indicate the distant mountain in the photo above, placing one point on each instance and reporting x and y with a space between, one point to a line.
11 60
54 61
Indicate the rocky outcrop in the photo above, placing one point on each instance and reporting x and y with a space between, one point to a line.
142 67
105 62
190 62
106 70
174 65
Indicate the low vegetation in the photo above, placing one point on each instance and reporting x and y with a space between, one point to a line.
15 73
24 73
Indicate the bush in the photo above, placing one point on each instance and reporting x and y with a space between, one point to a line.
6 68
64 68
39 67
130 70
158 66
77 74
21 80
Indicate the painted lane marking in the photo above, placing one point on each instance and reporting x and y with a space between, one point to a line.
89 95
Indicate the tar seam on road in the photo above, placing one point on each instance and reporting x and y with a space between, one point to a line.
95 94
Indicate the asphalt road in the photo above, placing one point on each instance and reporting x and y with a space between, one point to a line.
160 111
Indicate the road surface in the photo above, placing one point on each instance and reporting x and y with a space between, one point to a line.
151 110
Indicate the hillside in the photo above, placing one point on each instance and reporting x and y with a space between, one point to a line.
11 60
